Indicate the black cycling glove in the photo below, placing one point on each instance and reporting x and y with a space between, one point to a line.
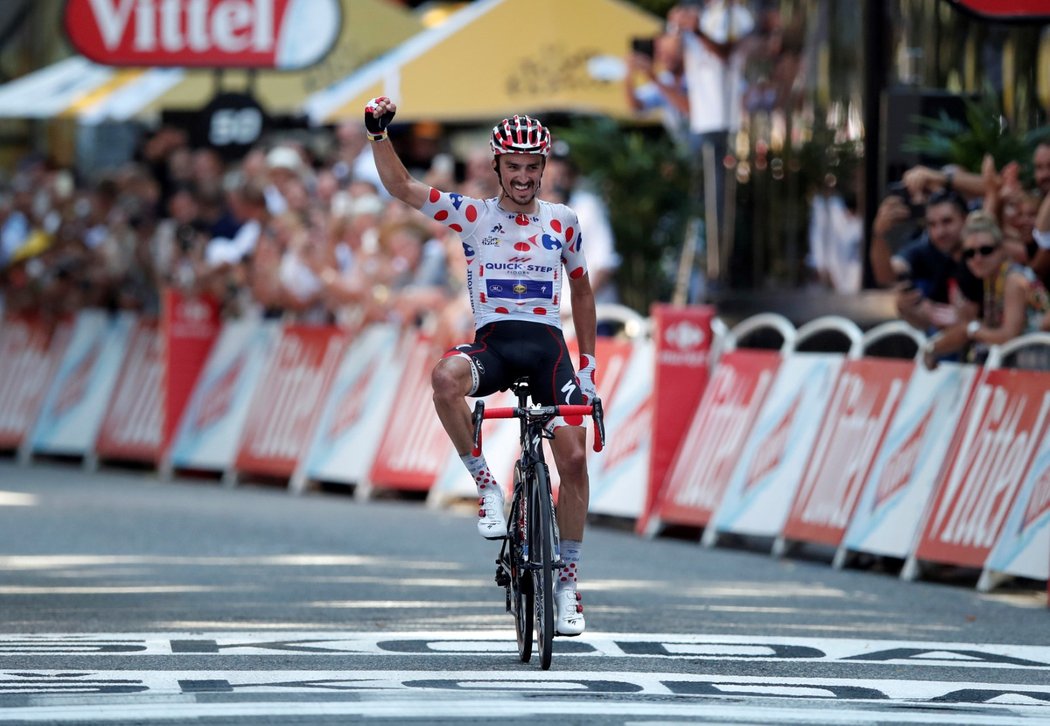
376 126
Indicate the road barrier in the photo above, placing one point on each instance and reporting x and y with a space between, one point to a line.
816 440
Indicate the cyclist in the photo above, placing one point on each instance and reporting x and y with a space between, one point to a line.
515 246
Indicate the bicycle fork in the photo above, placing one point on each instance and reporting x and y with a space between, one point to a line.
517 533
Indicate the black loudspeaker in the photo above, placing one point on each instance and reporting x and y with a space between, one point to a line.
900 107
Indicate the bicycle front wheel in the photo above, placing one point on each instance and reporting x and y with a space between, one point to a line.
522 599
541 549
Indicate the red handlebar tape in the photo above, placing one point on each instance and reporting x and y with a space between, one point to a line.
562 411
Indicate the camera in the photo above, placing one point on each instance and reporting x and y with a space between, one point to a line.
643 46
918 210
907 229
905 281
186 237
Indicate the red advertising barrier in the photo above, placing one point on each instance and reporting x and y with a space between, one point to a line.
132 428
863 403
683 344
619 475
414 447
289 399
989 457
30 351
715 438
189 327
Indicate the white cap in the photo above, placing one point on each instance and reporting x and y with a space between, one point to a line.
365 204
283 157
724 24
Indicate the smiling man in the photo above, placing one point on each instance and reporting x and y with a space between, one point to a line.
516 247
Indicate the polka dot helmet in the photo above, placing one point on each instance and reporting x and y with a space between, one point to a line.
520 135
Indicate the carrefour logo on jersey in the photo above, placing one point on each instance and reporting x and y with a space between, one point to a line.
517 267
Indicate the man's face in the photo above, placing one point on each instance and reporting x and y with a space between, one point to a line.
1041 167
944 224
520 176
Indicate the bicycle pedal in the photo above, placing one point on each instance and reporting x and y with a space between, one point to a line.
502 576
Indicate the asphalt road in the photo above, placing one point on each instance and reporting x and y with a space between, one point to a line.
125 598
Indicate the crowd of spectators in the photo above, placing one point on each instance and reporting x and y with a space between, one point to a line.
717 66
298 227
968 254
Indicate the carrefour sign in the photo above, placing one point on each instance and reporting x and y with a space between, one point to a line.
279 34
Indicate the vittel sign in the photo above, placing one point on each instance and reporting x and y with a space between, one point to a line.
275 34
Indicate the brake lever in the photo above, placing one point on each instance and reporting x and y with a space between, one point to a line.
598 416
477 418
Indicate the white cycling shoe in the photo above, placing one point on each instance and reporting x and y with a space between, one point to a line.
568 612
492 521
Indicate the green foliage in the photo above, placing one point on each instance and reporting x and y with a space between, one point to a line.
645 184
965 142
827 161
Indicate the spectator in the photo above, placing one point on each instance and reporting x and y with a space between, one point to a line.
1041 235
562 181
1012 207
1014 301
713 64
479 179
665 86
935 290
835 235
1041 232
417 276
921 181
353 158
17 221
208 170
286 170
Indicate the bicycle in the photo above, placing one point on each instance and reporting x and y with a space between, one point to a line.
529 558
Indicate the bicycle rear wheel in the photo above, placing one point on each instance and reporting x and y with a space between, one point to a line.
542 554
522 599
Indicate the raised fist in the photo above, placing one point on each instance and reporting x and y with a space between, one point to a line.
379 112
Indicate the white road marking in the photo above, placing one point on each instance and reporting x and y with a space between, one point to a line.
498 643
176 682
59 693
426 709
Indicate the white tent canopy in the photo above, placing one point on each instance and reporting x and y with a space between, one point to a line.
495 57
89 92
78 88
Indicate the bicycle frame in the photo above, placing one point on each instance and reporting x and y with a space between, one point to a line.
528 573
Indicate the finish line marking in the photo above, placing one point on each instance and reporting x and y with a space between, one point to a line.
501 643
52 683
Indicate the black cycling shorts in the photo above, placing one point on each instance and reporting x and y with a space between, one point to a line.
507 350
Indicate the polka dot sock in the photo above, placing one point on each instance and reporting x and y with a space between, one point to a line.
570 555
479 469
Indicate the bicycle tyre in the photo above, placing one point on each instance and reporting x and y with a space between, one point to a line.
521 588
542 554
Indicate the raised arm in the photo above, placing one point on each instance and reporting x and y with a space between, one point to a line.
392 172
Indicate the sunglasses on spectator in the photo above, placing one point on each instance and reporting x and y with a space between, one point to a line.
983 251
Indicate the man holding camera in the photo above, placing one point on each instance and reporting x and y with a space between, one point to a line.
934 288
659 62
